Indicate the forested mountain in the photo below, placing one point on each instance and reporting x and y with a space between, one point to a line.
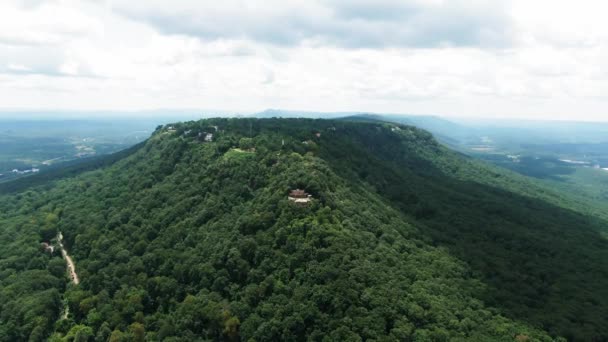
192 236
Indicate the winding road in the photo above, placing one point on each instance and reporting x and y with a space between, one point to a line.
68 261
71 269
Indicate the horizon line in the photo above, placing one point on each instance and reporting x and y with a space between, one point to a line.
44 114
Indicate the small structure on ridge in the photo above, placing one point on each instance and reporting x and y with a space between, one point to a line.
299 196
205 137
47 247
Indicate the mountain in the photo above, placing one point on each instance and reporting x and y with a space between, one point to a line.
192 235
448 132
543 131
295 114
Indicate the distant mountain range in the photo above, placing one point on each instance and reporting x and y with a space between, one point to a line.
458 131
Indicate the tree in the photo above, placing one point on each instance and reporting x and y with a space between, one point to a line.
137 332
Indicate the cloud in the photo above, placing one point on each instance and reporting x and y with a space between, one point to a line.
67 68
43 23
269 77
561 23
465 57
341 23
50 61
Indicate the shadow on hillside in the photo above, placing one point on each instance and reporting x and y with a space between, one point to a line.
542 264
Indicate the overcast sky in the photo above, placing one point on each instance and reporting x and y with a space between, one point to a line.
539 59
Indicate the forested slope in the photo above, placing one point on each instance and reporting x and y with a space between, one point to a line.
404 240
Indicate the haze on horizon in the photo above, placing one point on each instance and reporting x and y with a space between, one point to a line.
492 59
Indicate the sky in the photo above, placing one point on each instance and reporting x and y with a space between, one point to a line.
535 59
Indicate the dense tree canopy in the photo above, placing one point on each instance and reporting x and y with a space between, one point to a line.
185 239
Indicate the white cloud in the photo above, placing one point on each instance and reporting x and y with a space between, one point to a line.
351 24
19 68
44 24
561 23
537 58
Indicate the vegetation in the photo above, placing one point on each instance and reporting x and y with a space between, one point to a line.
183 239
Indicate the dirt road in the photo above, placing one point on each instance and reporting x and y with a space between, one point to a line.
68 261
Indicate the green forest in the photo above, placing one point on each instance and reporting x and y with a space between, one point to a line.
191 236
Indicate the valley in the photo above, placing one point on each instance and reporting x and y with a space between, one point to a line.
33 146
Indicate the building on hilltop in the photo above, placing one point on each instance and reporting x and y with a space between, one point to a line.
299 196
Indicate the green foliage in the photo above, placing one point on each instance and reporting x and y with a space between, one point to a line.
30 284
402 241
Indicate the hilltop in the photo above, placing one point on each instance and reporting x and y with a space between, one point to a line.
193 235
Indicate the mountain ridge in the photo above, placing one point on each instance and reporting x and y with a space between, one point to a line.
398 242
